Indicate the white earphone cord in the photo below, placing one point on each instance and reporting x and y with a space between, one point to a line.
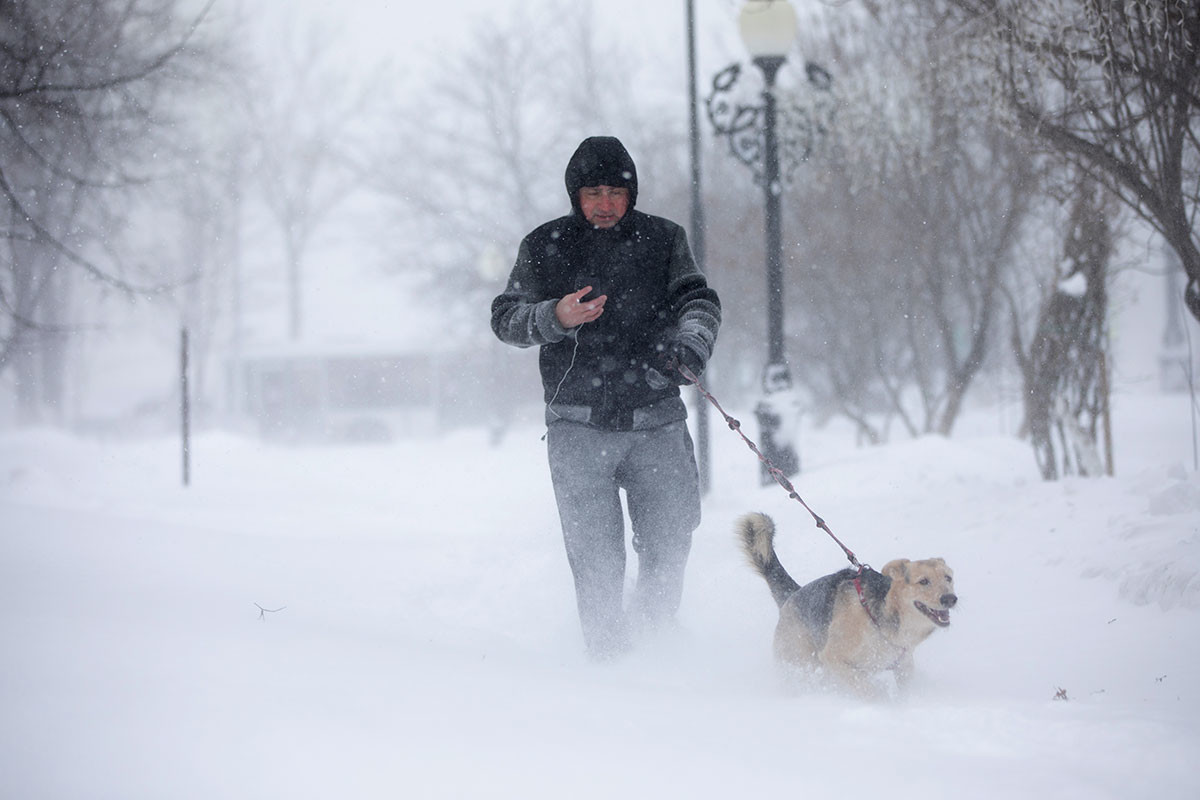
557 389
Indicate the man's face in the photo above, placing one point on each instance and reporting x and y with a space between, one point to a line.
603 206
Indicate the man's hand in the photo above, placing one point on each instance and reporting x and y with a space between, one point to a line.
681 352
685 354
572 311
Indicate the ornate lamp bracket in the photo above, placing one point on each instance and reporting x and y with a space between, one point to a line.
801 127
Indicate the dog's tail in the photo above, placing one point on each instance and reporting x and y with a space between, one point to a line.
757 534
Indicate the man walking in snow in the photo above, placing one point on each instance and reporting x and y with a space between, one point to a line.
616 303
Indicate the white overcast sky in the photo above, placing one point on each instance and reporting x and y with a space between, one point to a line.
407 31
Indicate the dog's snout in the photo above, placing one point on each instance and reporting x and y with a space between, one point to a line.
948 600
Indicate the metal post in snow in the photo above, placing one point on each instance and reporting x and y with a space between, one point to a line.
698 243
184 405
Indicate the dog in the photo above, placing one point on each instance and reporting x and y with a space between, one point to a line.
851 625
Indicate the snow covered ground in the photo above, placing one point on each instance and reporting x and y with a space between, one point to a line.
398 621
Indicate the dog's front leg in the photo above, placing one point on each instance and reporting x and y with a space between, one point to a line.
903 670
850 675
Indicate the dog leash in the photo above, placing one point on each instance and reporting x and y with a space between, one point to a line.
777 474
736 426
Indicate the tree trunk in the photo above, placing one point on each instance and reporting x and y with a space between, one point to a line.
1065 370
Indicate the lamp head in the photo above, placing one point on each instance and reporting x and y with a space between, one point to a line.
768 28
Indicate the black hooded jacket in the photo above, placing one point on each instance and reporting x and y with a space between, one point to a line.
597 373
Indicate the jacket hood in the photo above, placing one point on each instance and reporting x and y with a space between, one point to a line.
600 161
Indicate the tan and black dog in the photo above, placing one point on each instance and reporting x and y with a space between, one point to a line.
851 631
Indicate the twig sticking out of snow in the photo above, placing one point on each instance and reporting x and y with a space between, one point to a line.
262 612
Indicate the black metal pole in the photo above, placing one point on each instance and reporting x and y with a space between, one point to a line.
772 188
776 377
185 405
699 249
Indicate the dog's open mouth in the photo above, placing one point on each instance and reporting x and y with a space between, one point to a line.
940 616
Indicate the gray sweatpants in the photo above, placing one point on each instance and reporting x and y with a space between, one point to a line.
657 470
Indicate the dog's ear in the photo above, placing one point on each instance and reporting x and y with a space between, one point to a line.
897 570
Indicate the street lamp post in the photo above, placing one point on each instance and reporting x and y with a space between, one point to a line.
768 30
774 234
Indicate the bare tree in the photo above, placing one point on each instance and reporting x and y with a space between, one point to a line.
301 121
1065 365
911 230
83 91
1112 86
464 171
474 160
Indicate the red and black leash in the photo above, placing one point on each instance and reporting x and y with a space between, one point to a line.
736 426
775 472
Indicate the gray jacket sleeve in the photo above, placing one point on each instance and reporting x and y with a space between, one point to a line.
522 315
696 305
